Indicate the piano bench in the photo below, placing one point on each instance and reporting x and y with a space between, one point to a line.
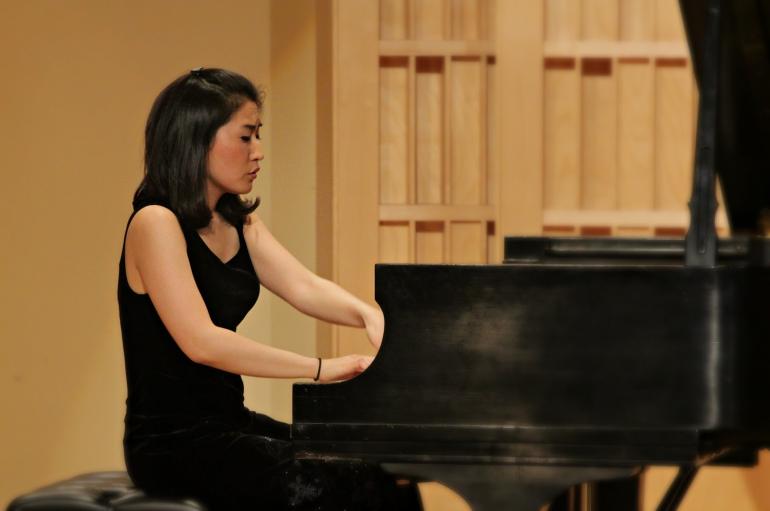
96 492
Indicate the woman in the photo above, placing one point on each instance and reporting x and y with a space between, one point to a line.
194 256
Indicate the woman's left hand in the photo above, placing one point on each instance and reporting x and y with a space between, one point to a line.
374 323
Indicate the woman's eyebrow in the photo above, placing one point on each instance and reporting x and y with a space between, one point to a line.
252 127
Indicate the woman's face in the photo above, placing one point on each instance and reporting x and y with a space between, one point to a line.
233 160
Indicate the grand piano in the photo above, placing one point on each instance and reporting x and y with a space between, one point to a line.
584 360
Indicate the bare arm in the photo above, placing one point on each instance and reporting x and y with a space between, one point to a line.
282 274
160 256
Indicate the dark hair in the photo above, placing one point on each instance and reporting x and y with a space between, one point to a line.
180 130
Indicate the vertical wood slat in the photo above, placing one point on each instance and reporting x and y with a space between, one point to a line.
599 134
428 16
468 243
411 132
491 112
668 21
394 122
494 249
483 126
429 129
636 134
393 19
446 167
637 20
519 66
394 242
673 133
562 20
561 134
429 242
599 20
466 19
467 117
489 32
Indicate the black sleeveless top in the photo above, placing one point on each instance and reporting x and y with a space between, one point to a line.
187 430
169 394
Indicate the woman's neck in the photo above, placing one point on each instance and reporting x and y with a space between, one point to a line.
213 194
217 221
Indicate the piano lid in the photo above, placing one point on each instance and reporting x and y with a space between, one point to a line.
743 153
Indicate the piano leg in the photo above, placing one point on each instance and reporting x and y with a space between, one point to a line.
512 487
615 494
678 488
568 500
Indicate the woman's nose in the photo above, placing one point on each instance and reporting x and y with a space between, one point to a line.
256 150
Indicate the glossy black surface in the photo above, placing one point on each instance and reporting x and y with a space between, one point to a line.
701 239
743 124
519 361
578 353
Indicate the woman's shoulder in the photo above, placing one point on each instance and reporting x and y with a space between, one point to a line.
152 214
253 226
154 221
252 220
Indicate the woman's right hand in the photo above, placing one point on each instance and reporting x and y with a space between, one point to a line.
343 368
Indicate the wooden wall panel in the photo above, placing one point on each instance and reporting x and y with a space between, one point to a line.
636 134
467 243
429 126
561 137
599 20
562 20
393 19
394 122
493 163
494 251
355 75
466 19
519 54
668 21
493 256
429 19
673 133
637 20
394 242
467 112
489 30
429 242
599 134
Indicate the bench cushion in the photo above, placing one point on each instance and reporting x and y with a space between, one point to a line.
98 491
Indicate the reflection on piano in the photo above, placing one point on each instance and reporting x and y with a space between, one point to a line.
583 359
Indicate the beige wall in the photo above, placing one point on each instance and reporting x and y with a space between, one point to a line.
292 102
77 81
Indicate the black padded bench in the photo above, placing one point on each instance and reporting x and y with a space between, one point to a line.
98 491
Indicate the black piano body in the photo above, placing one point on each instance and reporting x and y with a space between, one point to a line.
603 354
580 359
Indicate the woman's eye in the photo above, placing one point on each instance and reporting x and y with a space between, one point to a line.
246 138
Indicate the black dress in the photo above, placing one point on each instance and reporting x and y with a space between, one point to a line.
187 431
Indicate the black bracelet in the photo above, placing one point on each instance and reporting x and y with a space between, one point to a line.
318 374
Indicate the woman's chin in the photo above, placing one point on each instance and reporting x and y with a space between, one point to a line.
245 189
